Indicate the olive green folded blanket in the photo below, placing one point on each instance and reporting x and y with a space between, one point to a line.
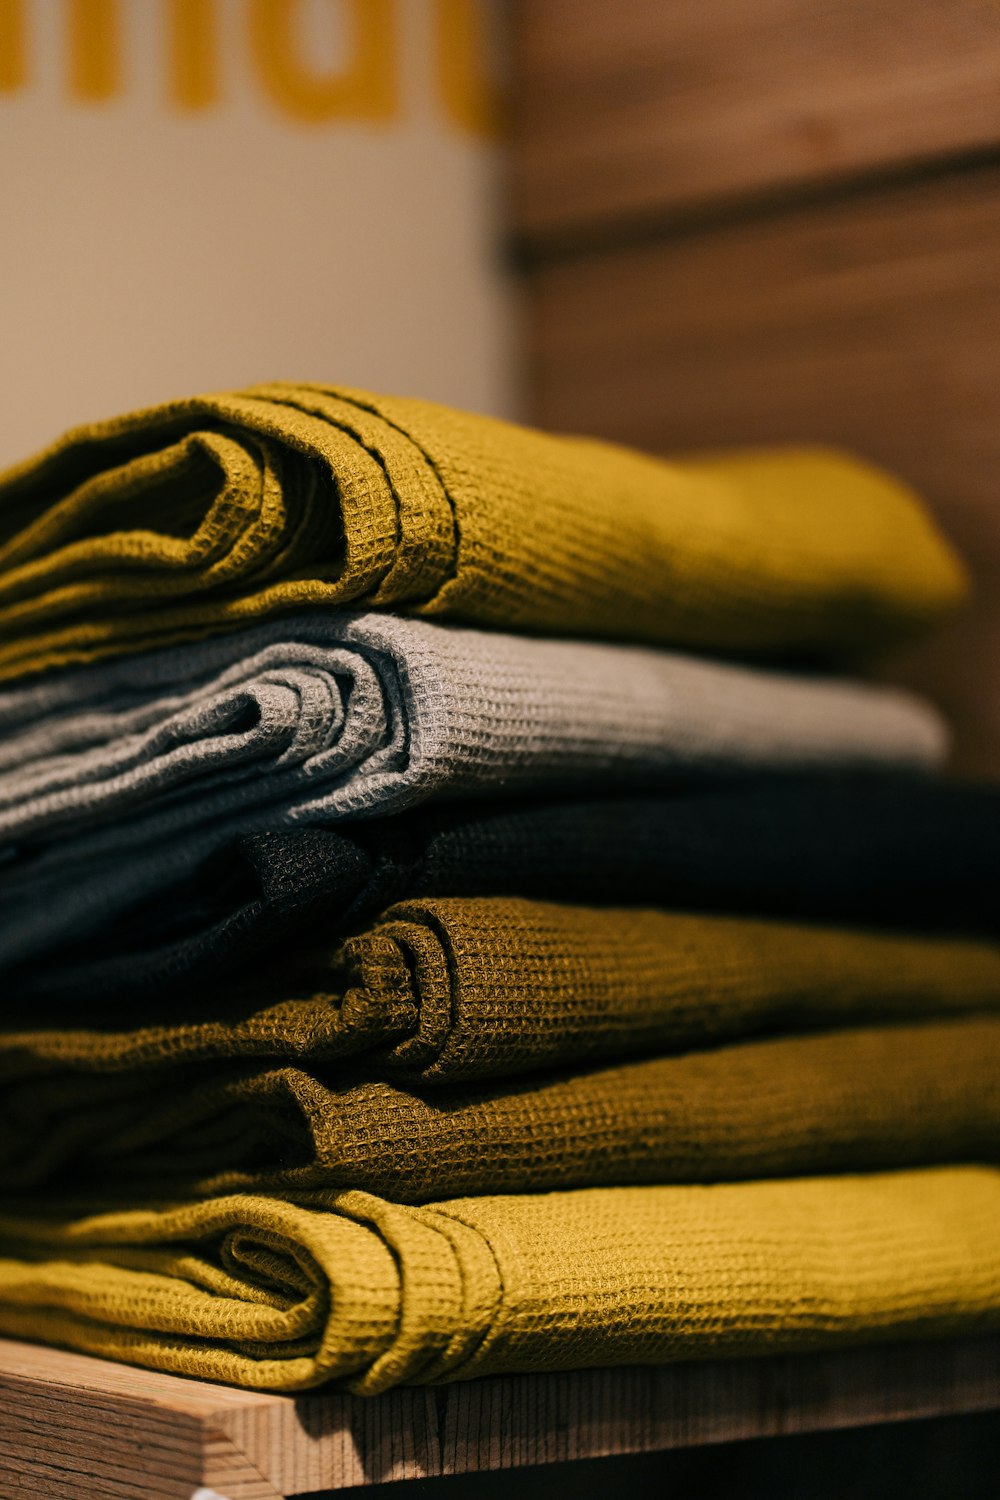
202 514
859 1099
451 988
345 1287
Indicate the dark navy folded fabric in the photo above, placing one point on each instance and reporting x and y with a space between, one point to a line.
867 849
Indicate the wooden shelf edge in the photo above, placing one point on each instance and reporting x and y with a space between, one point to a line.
76 1428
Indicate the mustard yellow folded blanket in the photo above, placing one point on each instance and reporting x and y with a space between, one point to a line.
206 513
864 1099
466 987
281 1295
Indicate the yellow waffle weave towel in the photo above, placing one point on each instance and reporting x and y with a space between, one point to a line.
279 1295
207 513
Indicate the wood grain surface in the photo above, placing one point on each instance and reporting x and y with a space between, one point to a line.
76 1428
641 108
871 320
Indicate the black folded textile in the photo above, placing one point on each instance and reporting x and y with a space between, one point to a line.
865 848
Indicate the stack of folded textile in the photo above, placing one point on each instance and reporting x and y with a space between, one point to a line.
417 966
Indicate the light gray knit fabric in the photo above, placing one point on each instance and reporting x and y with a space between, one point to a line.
115 780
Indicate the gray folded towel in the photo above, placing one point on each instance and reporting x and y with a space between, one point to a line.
116 780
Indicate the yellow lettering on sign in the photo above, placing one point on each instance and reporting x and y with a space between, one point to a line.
460 49
13 48
365 90
193 76
94 49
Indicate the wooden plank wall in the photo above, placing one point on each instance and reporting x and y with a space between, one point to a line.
755 220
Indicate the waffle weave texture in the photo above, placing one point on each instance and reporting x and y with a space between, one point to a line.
870 848
858 1099
477 987
279 1295
117 781
202 514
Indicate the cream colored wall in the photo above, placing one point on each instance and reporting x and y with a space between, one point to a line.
203 193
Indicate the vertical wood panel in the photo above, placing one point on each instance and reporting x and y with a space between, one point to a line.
872 320
639 107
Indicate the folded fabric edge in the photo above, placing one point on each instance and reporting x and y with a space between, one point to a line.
502 1285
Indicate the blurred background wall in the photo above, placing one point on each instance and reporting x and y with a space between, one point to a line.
746 220
202 193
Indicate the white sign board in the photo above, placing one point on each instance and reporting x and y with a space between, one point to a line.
198 194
